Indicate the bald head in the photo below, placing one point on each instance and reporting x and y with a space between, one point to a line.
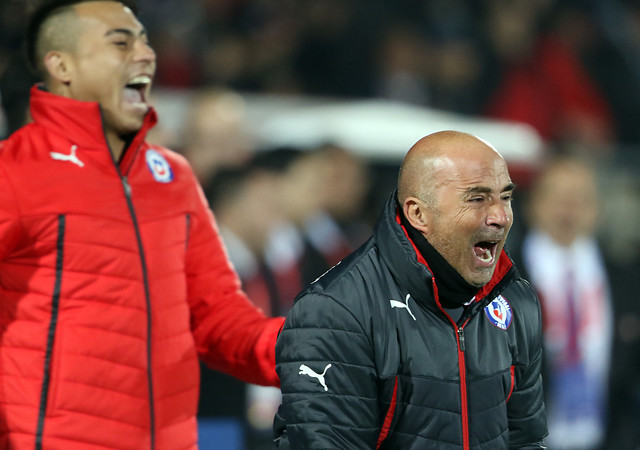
455 189
423 166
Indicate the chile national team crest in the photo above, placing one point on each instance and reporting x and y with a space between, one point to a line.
159 167
499 312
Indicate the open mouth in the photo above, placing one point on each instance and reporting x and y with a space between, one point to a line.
485 251
136 88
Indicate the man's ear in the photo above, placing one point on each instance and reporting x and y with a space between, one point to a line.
58 66
417 213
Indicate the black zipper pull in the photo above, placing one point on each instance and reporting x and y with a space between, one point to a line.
461 339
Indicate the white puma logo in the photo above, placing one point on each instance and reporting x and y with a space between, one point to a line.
397 304
70 157
306 370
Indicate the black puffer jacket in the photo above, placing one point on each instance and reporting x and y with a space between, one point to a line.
368 359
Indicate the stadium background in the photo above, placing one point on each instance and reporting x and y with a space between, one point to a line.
534 77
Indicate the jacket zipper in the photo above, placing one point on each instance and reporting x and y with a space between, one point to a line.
459 332
55 308
143 263
128 196
463 387
145 277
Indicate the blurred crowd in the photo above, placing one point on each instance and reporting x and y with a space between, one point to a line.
569 68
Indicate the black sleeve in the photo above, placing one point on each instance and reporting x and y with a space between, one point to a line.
525 408
326 367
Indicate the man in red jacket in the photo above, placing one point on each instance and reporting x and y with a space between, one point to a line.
113 279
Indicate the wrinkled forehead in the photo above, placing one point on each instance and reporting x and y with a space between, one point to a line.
469 170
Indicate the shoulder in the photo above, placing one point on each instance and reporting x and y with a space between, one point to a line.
524 300
352 279
353 287
23 138
24 149
176 165
524 295
174 158
527 314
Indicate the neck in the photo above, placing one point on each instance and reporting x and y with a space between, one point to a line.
116 144
115 141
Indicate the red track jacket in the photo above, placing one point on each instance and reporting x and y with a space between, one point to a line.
113 281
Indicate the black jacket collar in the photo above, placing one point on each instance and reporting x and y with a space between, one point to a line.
453 290
413 270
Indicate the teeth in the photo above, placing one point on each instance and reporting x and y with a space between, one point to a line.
486 257
140 79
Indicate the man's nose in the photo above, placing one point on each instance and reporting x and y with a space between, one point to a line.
144 52
499 215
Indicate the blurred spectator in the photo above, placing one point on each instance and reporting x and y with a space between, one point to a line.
243 201
456 75
542 82
343 208
180 67
336 50
173 32
457 59
402 65
277 216
571 69
16 78
298 189
276 219
307 188
273 41
301 203
214 133
606 36
225 61
588 303
432 58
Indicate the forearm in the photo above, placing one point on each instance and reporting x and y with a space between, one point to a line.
231 334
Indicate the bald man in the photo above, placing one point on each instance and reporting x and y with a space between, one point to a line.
113 278
427 336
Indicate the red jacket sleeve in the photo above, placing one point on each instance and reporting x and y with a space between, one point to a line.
232 335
